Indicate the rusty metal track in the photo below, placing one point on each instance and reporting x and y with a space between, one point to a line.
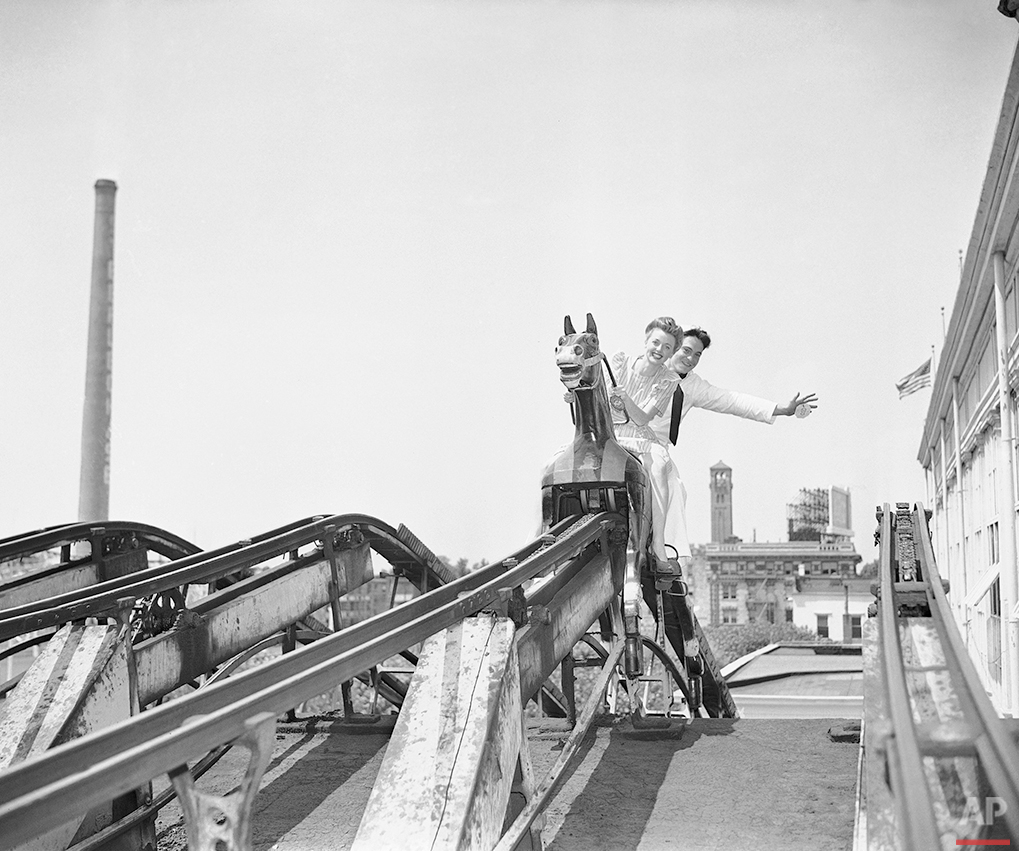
204 567
158 540
911 587
36 796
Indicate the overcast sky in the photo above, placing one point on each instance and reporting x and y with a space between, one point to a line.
347 234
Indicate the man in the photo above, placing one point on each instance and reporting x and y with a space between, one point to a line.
694 392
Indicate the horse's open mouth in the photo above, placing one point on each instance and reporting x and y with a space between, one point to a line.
570 373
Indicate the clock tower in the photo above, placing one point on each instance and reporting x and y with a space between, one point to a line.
721 503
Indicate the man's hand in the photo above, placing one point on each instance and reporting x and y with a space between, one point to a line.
788 410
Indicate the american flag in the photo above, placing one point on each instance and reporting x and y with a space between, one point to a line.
919 377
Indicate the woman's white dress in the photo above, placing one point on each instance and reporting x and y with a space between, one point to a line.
668 503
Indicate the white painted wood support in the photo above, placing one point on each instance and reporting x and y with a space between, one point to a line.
223 822
446 778
222 630
79 683
525 786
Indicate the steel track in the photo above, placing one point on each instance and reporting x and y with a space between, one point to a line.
35 796
911 588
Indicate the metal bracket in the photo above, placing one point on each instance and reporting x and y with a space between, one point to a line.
334 572
95 539
223 822
500 606
516 607
350 538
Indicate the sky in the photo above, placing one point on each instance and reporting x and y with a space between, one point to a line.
347 234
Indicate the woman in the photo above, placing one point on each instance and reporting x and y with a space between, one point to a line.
644 391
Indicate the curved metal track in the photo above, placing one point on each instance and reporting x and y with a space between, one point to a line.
919 753
36 795
398 546
158 540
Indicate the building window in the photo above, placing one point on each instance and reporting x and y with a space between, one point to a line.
728 614
992 542
728 590
788 615
769 612
994 632
822 626
856 626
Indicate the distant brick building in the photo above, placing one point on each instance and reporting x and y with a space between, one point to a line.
812 584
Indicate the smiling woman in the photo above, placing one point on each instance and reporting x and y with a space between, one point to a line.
644 390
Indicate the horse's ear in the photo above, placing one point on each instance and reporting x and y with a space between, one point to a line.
591 327
568 325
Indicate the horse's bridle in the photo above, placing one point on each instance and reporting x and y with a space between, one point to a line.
615 403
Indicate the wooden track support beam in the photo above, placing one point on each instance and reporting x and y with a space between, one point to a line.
79 683
448 772
216 632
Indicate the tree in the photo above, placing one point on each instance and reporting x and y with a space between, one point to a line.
461 566
868 569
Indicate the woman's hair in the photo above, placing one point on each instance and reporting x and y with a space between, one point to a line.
700 334
666 324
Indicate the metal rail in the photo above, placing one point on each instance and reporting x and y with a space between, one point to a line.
203 567
996 750
37 795
41 540
910 587
905 764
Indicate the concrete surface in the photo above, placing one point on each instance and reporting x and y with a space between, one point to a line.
720 784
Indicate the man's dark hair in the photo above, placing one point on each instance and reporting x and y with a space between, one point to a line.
700 334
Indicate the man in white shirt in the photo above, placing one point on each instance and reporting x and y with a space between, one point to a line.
695 392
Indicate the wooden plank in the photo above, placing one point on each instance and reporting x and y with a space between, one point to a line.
79 683
875 814
204 641
938 711
50 585
542 646
446 777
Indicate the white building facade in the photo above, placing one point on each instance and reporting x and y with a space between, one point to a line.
968 449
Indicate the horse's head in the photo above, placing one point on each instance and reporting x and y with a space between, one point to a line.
579 356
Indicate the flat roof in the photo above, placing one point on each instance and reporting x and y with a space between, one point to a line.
798 681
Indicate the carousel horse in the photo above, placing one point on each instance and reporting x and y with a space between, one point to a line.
595 473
